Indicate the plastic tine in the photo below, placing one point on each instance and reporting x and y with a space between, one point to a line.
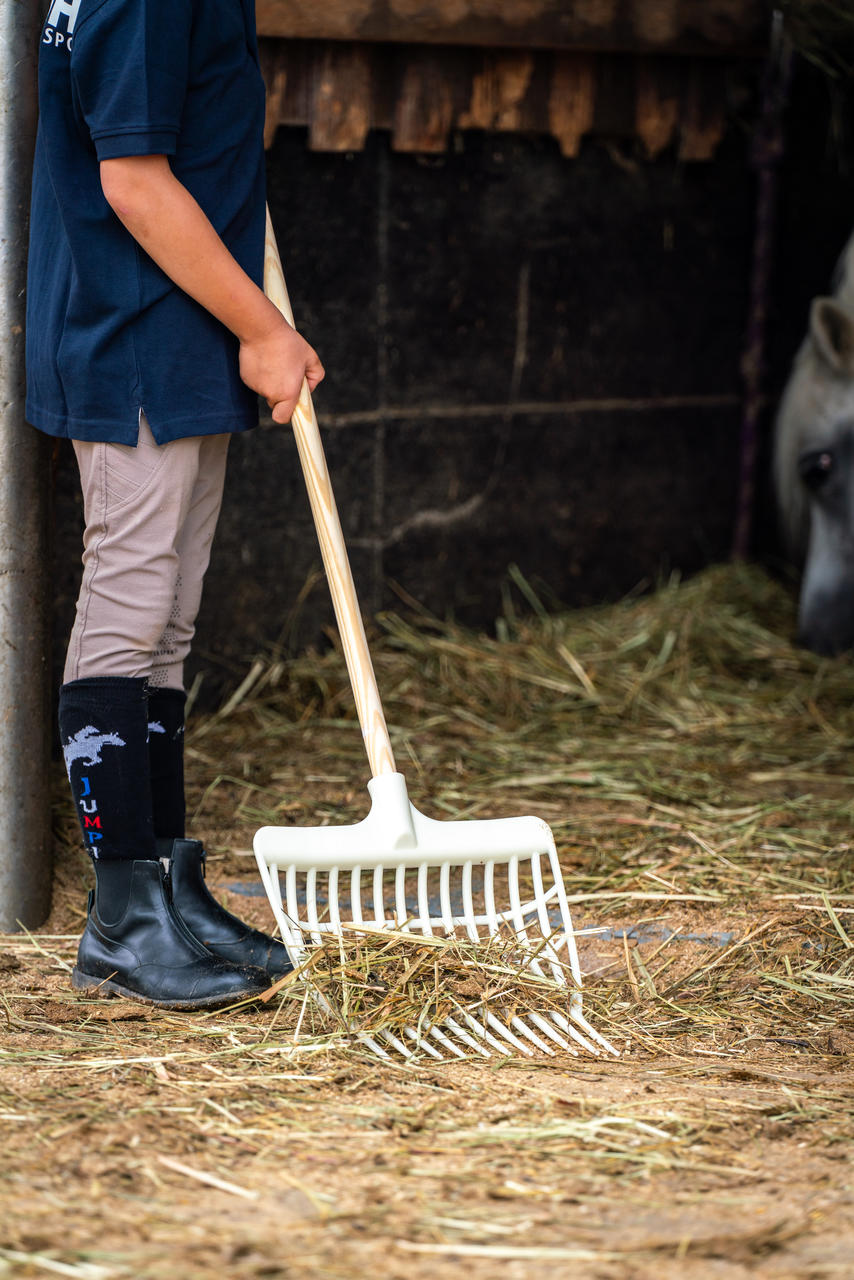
463 1035
291 894
578 1017
503 1039
489 897
379 904
543 917
548 1030
469 913
289 924
516 901
398 1044
480 1030
421 1042
533 963
571 949
311 904
364 1038
269 875
292 898
520 1025
448 922
446 1041
400 895
423 902
334 905
570 1030
500 1028
544 952
356 895
273 885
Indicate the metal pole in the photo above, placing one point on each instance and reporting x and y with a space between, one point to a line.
25 843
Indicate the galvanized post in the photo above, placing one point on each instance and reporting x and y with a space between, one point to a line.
25 844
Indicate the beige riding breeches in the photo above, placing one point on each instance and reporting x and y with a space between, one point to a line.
151 513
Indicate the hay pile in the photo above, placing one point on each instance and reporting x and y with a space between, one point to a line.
692 762
378 984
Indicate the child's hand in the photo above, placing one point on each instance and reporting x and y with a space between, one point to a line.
275 364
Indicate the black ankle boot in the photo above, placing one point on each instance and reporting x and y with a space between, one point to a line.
135 944
221 932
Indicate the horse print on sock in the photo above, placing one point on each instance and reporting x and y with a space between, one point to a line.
86 745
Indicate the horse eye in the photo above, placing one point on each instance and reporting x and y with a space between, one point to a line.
815 467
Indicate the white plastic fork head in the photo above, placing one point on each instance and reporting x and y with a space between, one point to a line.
398 869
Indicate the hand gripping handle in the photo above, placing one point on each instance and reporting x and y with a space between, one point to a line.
331 539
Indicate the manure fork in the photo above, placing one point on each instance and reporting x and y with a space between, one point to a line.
387 860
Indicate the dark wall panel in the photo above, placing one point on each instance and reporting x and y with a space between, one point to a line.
530 360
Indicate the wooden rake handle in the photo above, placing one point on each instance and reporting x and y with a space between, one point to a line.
331 539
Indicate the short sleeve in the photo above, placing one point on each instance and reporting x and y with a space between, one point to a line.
129 69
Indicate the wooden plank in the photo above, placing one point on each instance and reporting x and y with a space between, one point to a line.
657 94
341 104
424 111
498 92
673 26
288 67
702 119
275 72
572 99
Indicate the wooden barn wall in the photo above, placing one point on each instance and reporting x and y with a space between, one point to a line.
654 26
530 360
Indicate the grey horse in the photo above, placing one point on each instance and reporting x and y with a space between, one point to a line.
814 466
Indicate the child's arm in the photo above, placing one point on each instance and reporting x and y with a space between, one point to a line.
166 221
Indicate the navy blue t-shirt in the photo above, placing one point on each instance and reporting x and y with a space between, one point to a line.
108 333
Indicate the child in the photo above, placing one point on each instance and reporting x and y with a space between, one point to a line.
148 339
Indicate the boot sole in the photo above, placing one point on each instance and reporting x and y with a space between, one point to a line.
107 987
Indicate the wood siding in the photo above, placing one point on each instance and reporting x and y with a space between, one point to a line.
421 94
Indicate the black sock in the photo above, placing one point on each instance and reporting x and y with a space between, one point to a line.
166 760
103 727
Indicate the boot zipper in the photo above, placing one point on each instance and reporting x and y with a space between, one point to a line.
166 864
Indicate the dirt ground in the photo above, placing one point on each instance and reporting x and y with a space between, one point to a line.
148 1145
703 813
